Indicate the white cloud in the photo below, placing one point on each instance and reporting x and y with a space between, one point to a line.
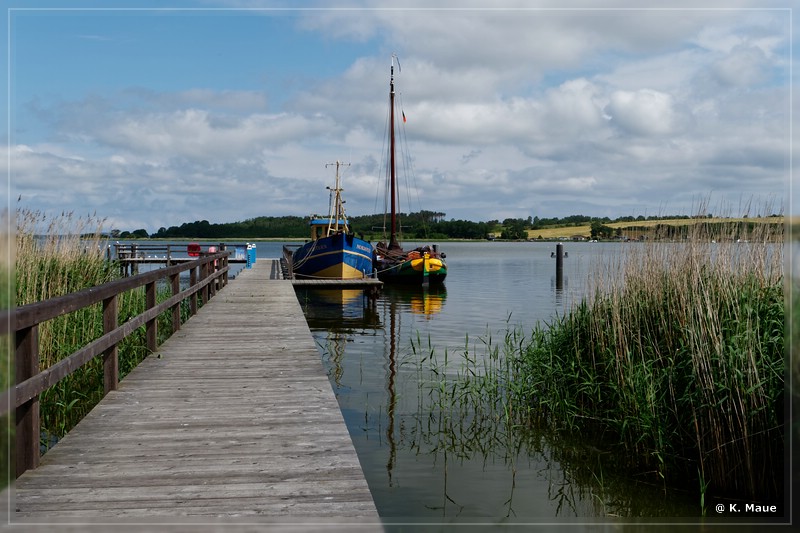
644 112
200 134
743 66
574 108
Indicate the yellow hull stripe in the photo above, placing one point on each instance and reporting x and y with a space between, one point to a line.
340 271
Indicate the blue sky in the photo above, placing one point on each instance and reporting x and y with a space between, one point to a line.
225 111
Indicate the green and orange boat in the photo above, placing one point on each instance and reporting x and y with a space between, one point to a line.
423 265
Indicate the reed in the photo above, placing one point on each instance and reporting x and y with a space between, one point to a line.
680 359
6 370
56 256
470 406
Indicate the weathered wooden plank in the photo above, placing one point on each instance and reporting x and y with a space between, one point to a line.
232 416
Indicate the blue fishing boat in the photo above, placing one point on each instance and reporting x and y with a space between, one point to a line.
333 252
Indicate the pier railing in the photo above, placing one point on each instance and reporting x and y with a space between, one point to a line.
130 255
206 274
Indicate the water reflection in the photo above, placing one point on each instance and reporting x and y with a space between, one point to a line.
341 314
425 301
435 442
560 287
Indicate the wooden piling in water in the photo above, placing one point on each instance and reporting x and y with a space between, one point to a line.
559 266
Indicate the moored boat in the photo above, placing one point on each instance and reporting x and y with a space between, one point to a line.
333 252
421 266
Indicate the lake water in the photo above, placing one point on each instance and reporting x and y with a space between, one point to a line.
421 469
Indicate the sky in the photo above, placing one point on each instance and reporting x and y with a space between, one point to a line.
151 114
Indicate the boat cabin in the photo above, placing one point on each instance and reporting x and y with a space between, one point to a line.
322 227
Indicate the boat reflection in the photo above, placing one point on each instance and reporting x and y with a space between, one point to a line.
339 310
343 315
425 301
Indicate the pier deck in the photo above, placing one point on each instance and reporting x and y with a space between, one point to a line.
232 418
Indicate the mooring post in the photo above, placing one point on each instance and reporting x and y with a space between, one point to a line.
134 265
559 266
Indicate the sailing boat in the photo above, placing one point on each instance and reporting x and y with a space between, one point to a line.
334 252
421 266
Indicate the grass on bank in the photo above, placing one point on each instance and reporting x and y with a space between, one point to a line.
61 255
675 365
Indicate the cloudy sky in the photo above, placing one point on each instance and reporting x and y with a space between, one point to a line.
228 110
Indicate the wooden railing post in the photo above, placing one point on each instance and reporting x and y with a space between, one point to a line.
193 297
175 281
111 355
204 291
223 263
151 328
212 287
27 414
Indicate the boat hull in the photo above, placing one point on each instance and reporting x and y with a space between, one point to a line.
339 256
412 271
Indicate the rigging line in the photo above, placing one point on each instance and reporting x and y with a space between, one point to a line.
307 257
411 179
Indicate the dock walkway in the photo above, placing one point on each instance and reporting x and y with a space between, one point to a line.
232 418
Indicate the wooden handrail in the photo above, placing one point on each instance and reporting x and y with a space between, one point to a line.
24 322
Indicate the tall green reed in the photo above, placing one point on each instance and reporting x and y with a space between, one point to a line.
678 357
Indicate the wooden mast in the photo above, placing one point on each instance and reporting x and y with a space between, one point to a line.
392 182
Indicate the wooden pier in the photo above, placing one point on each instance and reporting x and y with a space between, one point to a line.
232 421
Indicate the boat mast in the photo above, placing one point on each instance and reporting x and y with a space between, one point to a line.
392 182
336 211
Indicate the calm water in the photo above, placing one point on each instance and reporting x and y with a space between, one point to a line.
421 469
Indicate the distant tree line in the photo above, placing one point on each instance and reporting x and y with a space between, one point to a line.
254 228
414 226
